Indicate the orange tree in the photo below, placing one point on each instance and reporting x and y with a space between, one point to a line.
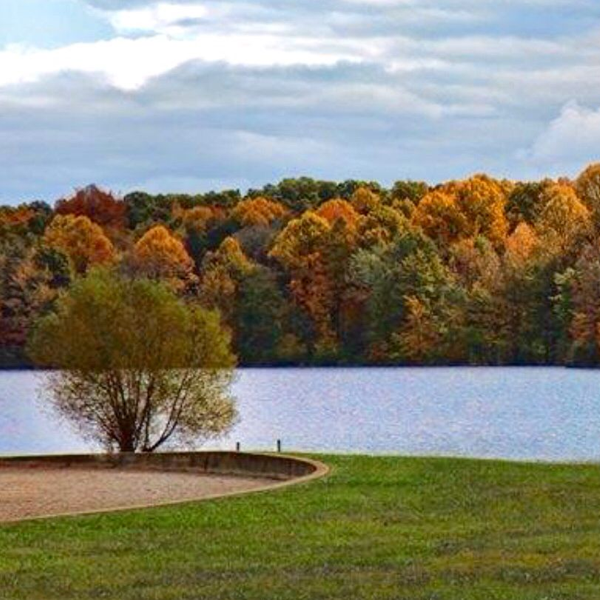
159 254
83 241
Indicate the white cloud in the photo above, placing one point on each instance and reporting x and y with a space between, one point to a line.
569 141
123 62
191 93
463 3
237 32
130 63
161 17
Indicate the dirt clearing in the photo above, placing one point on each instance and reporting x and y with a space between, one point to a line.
38 492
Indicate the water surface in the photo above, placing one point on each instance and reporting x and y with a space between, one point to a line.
518 413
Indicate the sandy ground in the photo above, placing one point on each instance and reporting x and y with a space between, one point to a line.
35 492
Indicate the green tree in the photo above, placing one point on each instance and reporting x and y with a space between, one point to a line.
398 280
408 190
579 290
260 316
525 202
136 366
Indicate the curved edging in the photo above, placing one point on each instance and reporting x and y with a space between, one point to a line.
312 469
270 465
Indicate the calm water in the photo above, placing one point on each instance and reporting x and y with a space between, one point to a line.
522 413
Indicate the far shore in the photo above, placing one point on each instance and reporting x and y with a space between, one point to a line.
28 367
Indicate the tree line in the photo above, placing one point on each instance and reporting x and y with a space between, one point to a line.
478 271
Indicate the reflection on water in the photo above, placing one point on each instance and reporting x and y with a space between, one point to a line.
525 413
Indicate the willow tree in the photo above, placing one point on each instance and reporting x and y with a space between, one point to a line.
135 366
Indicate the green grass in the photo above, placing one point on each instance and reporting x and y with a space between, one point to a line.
397 528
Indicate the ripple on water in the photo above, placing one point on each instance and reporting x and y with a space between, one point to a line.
520 413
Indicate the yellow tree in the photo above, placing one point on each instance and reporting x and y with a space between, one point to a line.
482 202
441 218
588 189
159 254
381 225
465 209
364 200
341 240
301 237
519 296
83 241
521 244
564 217
419 336
258 211
222 273
301 248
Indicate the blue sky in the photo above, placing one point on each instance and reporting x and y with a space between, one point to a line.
187 95
49 23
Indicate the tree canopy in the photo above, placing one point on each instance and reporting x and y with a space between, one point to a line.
306 271
137 366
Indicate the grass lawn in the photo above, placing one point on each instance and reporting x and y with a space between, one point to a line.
397 528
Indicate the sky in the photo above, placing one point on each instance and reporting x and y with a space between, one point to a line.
188 95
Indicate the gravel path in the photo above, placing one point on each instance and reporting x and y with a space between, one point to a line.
35 492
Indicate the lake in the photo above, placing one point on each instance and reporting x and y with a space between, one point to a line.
516 413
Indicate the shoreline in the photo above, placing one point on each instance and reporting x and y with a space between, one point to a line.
20 368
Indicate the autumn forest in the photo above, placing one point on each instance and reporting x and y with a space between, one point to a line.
477 271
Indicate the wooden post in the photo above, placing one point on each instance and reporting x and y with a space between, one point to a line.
278 445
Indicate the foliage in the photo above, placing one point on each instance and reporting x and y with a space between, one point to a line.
588 189
469 272
258 211
564 217
482 202
441 218
158 254
98 205
260 317
137 366
84 242
27 290
524 203
334 210
222 274
412 191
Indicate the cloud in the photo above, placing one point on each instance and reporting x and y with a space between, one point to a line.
130 63
189 95
401 36
185 130
569 141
